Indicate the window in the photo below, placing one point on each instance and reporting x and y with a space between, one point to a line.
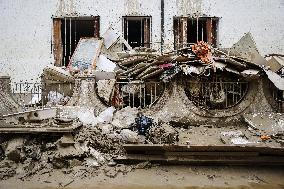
137 31
216 92
190 30
278 96
67 33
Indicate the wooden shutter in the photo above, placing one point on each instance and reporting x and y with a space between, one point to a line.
57 42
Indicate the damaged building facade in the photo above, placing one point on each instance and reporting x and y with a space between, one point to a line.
51 30
137 80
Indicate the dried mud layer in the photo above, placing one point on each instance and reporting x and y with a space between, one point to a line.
154 176
85 160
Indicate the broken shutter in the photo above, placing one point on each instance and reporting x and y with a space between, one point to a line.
190 30
180 32
97 26
209 30
57 42
146 27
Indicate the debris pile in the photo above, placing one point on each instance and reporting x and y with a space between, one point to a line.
163 134
97 130
86 151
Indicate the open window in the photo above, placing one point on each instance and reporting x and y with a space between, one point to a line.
189 30
67 33
137 30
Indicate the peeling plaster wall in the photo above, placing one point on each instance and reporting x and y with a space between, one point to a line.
26 25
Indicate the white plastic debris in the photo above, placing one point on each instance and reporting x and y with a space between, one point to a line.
55 98
104 64
87 116
232 133
110 37
239 140
35 99
250 72
106 115
276 79
188 70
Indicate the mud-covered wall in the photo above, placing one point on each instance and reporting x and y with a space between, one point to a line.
26 25
175 106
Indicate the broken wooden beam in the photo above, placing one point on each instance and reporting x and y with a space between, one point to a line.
203 155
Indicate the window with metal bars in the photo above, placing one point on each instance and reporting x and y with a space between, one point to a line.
278 96
189 30
137 30
67 33
218 92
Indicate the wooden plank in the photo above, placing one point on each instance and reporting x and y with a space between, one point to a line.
259 160
209 31
24 129
183 154
97 27
184 148
57 42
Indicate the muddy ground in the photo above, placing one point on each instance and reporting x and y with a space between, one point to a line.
160 177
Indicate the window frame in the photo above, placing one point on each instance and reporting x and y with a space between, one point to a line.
147 35
57 42
180 30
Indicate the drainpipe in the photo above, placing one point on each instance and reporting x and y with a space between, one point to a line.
162 24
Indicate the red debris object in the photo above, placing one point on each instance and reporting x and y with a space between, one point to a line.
166 66
202 51
117 99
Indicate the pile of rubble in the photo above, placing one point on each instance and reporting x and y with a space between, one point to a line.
101 131
86 151
98 57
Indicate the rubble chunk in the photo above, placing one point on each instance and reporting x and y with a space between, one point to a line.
128 136
162 134
7 169
105 88
124 117
13 149
66 140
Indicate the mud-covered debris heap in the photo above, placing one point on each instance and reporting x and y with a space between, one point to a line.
88 150
144 64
